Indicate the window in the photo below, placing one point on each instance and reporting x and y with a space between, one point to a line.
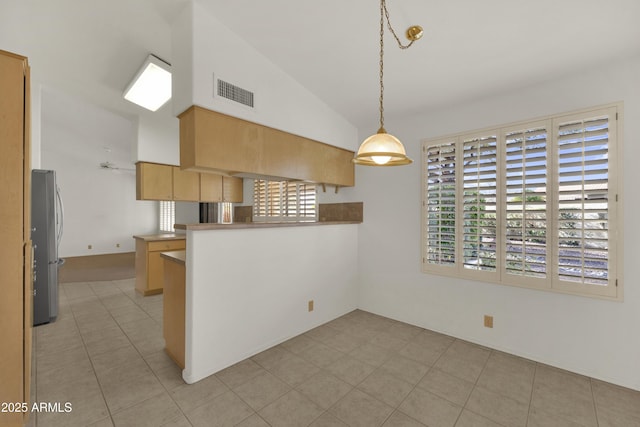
167 215
533 204
284 201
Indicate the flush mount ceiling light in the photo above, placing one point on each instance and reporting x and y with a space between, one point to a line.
381 148
151 86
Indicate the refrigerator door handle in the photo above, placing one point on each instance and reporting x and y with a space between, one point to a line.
60 218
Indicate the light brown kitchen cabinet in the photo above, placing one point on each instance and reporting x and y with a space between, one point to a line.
186 185
214 142
154 181
16 303
149 264
218 188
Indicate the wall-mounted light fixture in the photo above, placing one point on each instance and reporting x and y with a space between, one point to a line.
381 148
151 86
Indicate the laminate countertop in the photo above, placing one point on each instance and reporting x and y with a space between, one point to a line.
175 256
161 236
245 225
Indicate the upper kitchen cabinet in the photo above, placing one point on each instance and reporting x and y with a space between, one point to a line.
218 188
215 142
186 185
154 181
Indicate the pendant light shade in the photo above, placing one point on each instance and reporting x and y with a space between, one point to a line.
382 149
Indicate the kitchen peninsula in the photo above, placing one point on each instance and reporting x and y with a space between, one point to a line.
250 286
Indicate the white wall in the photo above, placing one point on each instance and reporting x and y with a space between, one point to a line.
101 209
235 311
280 101
589 336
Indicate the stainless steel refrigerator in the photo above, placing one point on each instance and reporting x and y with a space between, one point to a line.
47 219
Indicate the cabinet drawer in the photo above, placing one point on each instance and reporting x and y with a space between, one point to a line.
166 245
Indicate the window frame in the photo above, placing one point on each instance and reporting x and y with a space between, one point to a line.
552 281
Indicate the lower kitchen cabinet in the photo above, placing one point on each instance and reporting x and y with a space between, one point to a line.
149 263
173 320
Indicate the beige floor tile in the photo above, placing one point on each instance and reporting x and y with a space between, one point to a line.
298 344
389 341
321 333
615 398
425 351
344 342
97 347
327 420
190 396
398 419
430 409
157 410
225 410
470 419
324 389
86 409
372 354
613 418
86 356
126 393
447 386
261 390
240 373
271 357
564 395
350 369
508 375
498 408
294 370
320 354
404 331
113 358
291 410
463 360
170 377
254 420
541 418
358 409
386 387
406 369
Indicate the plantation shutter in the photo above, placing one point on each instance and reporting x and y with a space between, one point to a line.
525 195
479 203
307 202
167 215
284 201
259 198
584 205
440 206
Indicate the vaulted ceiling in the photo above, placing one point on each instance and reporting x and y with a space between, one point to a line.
470 49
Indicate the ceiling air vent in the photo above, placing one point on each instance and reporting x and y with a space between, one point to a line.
235 93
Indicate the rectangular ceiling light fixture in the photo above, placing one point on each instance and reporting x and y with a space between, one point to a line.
151 86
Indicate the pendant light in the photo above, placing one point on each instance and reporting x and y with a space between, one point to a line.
382 148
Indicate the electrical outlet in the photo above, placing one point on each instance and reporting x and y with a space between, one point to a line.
117 245
90 247
488 321
310 305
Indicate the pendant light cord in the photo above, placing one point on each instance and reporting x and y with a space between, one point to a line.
384 13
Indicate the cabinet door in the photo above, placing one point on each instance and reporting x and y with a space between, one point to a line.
232 189
186 185
210 187
155 276
154 181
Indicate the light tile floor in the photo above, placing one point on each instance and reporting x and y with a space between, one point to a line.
105 356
